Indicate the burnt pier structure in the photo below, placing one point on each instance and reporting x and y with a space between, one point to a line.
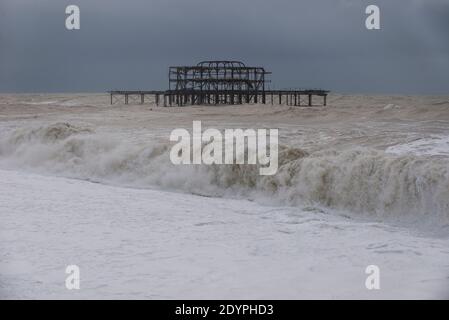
220 83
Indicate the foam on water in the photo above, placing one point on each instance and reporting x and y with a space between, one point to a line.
364 181
432 146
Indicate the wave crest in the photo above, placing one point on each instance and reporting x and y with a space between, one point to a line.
359 180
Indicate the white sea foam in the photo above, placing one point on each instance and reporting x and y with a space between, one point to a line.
151 244
361 180
435 145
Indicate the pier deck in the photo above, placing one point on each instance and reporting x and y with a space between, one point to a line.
219 97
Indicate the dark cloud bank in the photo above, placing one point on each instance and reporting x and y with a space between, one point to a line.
313 43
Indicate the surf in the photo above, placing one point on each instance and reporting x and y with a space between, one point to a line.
363 181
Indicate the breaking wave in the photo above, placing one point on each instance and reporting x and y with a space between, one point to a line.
362 181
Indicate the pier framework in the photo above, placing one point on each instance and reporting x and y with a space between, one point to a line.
219 83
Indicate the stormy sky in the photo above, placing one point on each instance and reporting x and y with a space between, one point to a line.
306 44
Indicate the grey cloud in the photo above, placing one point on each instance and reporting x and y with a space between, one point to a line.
130 44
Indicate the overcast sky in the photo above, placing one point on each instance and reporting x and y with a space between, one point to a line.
306 44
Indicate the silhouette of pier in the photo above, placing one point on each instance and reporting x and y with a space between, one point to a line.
219 83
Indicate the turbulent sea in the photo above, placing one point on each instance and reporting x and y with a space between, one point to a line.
364 181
